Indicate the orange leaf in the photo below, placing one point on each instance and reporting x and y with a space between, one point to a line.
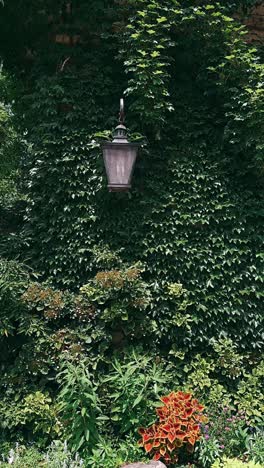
171 437
148 447
156 443
200 407
165 399
189 412
191 440
166 427
180 435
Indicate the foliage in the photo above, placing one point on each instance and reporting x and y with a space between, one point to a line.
8 136
232 463
34 416
228 433
79 407
178 426
12 146
44 300
133 385
106 454
229 430
208 451
14 279
224 258
168 279
121 298
200 225
57 456
256 447
110 454
38 410
250 396
153 36
244 113
198 372
22 457
235 377
228 358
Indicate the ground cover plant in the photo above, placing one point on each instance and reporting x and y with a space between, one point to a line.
120 312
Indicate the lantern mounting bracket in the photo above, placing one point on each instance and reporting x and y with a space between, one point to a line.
122 111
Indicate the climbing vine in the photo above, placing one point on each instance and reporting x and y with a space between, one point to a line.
175 267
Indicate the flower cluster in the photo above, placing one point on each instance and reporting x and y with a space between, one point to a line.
223 426
116 278
178 426
110 279
45 300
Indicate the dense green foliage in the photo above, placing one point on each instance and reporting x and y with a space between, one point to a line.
205 212
135 294
11 147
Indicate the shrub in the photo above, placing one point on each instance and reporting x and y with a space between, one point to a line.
229 433
39 412
121 298
196 220
44 299
250 397
178 426
28 418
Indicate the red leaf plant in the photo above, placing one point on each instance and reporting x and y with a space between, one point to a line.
178 426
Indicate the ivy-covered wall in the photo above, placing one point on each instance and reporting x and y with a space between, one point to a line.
194 215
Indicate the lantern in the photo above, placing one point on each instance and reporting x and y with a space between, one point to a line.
120 157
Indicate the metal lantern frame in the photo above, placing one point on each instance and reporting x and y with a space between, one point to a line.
120 157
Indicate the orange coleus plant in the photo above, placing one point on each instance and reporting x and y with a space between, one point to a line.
179 426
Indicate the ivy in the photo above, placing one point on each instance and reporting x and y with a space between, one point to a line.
200 224
193 220
222 61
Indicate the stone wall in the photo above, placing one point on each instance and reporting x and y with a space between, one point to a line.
255 23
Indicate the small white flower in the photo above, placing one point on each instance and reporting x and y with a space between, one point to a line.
11 457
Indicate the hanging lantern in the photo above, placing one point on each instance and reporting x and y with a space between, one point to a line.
120 157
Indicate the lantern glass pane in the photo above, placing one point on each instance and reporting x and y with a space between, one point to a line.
119 162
